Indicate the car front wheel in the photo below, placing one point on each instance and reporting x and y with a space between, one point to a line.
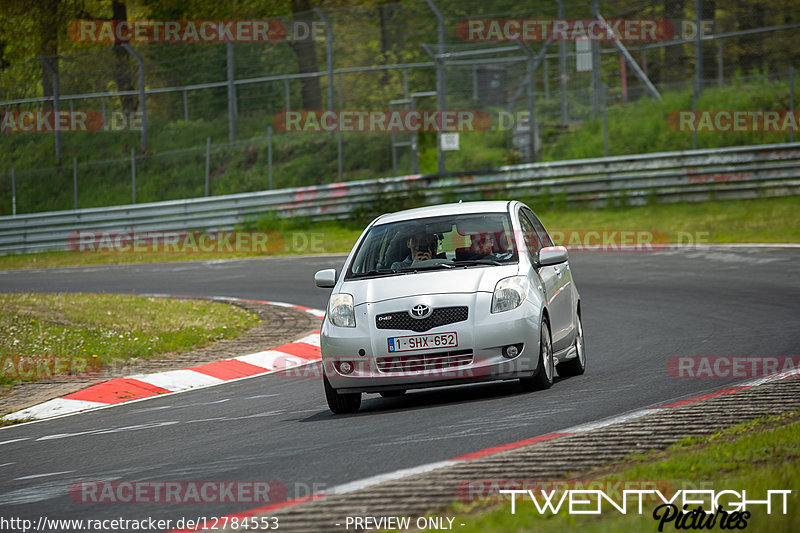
340 403
577 365
543 379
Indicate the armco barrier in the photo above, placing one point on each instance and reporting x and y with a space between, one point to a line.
697 175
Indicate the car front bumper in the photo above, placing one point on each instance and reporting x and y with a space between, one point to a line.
477 357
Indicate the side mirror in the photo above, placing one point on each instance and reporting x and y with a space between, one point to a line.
325 278
553 255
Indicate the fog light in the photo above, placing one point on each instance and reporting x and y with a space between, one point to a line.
512 350
345 367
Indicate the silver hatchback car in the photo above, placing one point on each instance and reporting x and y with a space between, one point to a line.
447 295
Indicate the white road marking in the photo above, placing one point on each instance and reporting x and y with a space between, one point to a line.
33 476
177 380
13 440
55 407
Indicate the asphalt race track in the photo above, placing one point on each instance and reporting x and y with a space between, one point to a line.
639 310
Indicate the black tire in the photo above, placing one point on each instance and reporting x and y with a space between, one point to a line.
541 380
576 366
341 403
392 393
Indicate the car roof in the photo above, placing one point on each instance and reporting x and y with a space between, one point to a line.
461 208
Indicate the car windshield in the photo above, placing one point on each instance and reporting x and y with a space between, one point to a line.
443 242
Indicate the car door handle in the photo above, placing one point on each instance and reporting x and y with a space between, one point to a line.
558 271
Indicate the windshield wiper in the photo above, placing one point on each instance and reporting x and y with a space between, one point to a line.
379 272
466 262
426 267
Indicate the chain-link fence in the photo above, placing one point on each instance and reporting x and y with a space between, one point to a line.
212 116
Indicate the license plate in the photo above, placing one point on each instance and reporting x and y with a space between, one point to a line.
412 343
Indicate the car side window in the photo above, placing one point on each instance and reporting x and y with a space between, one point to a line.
529 235
544 237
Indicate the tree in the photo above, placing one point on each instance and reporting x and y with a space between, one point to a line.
306 55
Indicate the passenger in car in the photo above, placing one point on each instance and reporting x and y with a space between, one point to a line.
422 247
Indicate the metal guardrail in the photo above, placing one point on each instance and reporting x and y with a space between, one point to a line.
696 175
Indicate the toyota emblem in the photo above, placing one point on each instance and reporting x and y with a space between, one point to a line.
420 311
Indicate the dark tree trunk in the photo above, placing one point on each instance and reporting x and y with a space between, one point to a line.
48 27
123 62
306 55
675 60
389 38
709 48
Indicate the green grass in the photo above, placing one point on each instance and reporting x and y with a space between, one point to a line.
755 456
761 220
77 334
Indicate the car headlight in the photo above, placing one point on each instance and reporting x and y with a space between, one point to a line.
509 293
340 310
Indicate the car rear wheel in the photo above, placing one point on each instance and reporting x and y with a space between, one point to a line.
392 393
543 379
576 366
340 403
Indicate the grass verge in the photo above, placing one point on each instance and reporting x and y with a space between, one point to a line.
45 335
755 456
760 220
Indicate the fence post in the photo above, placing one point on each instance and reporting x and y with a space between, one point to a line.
596 74
103 104
441 84
719 63
288 96
185 105
142 96
531 94
698 46
339 130
133 175
269 155
329 60
791 100
75 180
604 90
56 98
562 67
208 163
694 112
231 95
13 192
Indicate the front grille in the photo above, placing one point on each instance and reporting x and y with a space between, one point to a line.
425 362
441 316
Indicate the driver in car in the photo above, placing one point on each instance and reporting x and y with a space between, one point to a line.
482 245
422 246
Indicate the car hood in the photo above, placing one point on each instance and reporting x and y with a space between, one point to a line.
457 280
